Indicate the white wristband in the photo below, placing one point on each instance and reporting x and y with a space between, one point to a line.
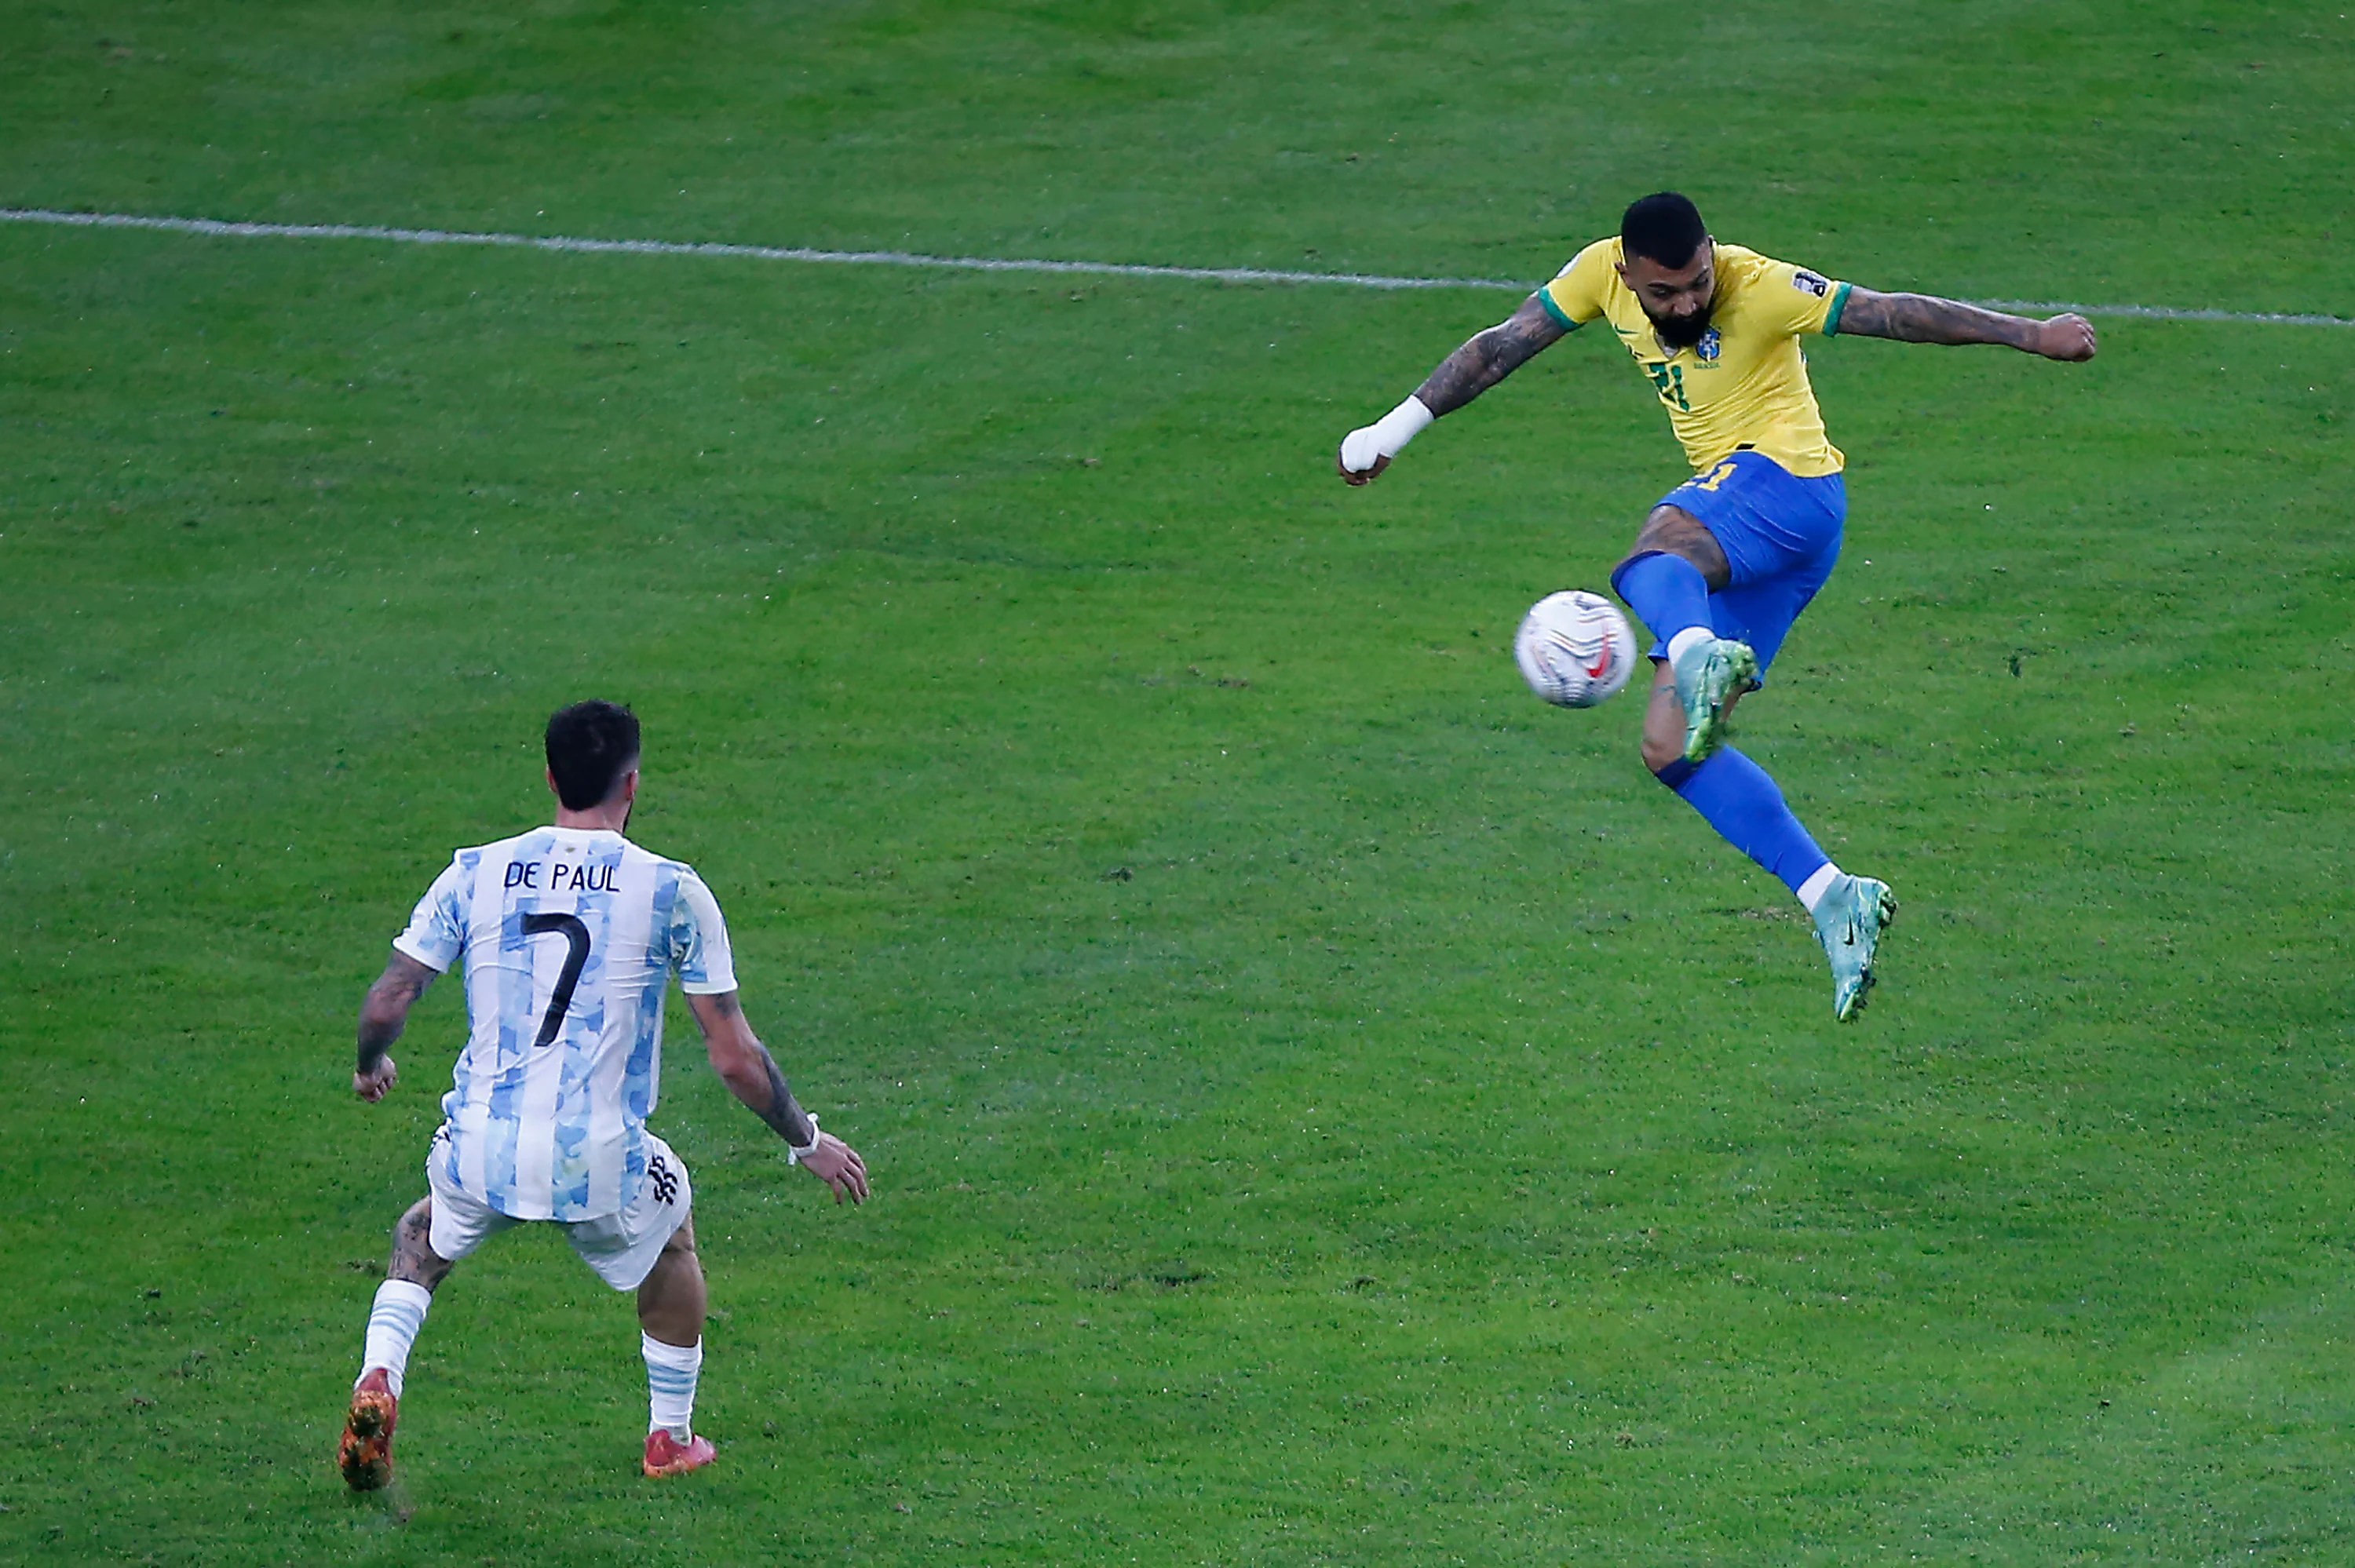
795 1156
1361 448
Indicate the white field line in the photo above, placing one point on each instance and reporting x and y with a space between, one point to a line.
207 226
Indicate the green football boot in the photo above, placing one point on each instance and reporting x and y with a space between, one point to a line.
1848 923
1708 675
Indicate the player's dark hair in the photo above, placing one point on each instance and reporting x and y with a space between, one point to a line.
589 746
1664 227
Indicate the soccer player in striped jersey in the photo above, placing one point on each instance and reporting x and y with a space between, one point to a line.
1727 560
570 934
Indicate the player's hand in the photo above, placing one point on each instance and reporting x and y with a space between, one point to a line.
1360 444
2069 337
372 1084
837 1164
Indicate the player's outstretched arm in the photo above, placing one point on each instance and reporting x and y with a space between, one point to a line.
750 1074
383 1015
1484 360
1925 318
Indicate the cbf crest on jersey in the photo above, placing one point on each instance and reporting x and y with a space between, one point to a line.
1706 350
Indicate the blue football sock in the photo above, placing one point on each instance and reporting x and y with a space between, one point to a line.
1748 811
1667 591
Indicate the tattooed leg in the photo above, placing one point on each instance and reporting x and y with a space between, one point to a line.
1673 531
413 1257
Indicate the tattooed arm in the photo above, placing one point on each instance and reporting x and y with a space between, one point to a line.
383 1014
1490 356
748 1069
1925 318
750 1074
1485 359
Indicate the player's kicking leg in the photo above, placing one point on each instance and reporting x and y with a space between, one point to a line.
1668 577
670 1319
365 1455
1680 579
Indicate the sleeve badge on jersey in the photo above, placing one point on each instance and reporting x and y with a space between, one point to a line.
1809 283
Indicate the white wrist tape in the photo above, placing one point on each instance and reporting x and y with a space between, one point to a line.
1361 448
795 1156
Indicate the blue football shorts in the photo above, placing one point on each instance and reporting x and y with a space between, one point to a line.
1781 534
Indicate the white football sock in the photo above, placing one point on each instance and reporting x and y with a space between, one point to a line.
393 1322
1687 638
1811 891
671 1371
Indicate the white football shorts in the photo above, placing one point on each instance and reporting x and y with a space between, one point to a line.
621 1247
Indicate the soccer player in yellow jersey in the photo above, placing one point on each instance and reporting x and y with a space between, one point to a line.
1727 560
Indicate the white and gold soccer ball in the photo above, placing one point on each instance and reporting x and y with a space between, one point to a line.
1576 648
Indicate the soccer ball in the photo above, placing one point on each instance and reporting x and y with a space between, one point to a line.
1576 648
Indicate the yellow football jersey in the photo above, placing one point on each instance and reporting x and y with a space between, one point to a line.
1744 385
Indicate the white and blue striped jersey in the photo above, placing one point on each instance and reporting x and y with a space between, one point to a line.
570 936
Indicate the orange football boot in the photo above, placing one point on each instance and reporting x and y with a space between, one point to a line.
666 1456
365 1455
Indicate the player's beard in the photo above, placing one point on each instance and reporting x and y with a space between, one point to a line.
1683 331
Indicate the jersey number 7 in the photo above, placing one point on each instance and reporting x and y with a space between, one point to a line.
576 944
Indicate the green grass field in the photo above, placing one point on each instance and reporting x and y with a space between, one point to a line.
1324 1106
